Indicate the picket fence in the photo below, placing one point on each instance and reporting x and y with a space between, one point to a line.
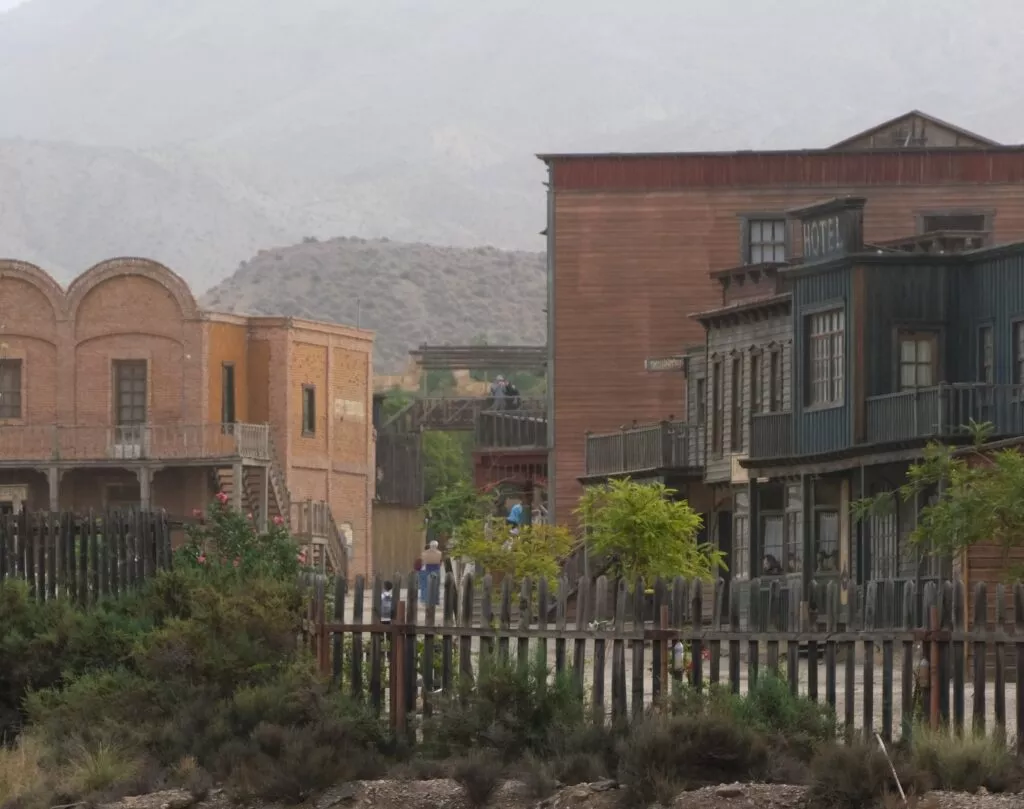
877 679
83 557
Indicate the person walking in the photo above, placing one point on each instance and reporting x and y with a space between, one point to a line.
433 558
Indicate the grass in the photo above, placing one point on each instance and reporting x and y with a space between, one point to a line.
21 768
964 763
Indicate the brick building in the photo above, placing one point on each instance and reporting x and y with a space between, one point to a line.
121 390
632 238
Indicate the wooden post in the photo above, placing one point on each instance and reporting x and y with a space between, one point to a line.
933 668
665 650
397 666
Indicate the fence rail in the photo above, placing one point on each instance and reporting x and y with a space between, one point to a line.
29 442
644 448
83 557
876 679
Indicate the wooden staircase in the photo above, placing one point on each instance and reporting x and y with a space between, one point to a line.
310 522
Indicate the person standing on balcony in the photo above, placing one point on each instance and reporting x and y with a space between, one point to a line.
498 393
511 396
433 558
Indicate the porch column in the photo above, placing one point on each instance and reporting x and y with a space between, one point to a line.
756 562
237 482
264 523
53 476
145 476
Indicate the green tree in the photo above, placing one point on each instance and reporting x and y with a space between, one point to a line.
447 460
537 552
976 495
453 506
644 532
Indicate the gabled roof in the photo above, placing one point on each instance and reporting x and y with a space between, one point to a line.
981 139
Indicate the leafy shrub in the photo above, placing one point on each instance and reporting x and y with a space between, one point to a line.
479 775
512 708
666 754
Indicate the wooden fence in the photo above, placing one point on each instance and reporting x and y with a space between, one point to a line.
619 657
83 557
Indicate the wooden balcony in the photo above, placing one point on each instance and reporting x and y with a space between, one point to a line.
511 429
21 444
943 411
665 446
443 413
771 435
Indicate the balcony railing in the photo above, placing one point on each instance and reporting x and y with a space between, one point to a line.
647 448
511 429
771 435
135 442
943 411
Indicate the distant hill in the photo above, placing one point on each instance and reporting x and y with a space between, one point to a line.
408 293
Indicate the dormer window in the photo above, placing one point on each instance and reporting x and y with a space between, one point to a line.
766 240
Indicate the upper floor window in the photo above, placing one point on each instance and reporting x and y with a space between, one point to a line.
826 357
756 384
986 355
775 381
717 433
954 221
227 383
917 359
10 389
736 406
701 405
1018 352
130 382
766 241
308 410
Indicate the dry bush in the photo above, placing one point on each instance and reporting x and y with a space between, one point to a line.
856 775
479 775
538 778
666 754
21 769
964 763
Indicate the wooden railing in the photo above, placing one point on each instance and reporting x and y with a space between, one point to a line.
511 429
943 411
771 435
645 448
456 413
20 443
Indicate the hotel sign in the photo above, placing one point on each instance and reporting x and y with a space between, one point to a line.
832 234
664 364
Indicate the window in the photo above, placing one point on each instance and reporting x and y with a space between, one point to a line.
766 241
122 496
756 384
772 537
308 410
10 389
917 360
775 381
717 434
986 355
1018 353
954 221
793 553
884 533
825 337
701 405
129 392
736 406
828 542
227 386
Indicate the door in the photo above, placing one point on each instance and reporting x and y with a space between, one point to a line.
723 529
130 407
